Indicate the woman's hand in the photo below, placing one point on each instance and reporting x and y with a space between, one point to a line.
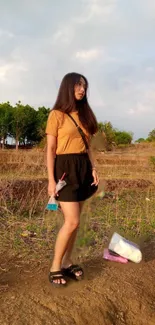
95 177
52 188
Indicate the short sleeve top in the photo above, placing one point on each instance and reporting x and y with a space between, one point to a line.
68 137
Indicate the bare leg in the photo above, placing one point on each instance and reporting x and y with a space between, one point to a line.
67 257
71 211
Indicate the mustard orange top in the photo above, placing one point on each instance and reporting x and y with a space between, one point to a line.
68 137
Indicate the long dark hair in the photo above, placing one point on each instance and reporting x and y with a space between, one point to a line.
66 102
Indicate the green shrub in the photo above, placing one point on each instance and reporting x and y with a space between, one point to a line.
152 162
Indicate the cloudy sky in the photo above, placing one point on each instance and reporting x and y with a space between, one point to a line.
112 42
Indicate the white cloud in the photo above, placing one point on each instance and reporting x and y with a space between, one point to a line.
64 35
9 70
145 104
92 11
87 55
93 54
139 109
150 69
3 70
149 7
5 33
131 111
96 9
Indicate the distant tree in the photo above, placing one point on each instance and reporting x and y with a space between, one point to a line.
151 136
6 113
24 123
107 129
29 133
140 140
42 115
123 137
100 127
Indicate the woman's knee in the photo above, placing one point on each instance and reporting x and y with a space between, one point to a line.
71 212
72 225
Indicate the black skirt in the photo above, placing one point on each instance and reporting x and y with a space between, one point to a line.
78 177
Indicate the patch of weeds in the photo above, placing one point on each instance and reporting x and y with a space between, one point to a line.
44 231
34 228
43 243
17 242
130 213
152 162
24 215
88 239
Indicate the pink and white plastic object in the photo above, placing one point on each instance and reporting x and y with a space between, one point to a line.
125 248
114 258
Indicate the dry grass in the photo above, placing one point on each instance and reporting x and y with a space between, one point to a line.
23 197
24 164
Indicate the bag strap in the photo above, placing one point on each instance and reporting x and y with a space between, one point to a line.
80 131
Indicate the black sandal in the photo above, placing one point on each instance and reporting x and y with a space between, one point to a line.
57 275
71 272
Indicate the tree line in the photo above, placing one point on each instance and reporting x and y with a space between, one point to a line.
27 126
23 123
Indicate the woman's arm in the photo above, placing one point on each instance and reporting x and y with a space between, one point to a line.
94 172
51 152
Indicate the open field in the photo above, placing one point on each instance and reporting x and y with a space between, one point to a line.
111 294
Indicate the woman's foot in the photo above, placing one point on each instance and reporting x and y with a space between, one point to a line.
73 271
68 263
57 278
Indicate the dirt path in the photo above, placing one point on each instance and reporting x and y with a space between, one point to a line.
111 294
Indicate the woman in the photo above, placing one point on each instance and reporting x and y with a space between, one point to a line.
70 125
